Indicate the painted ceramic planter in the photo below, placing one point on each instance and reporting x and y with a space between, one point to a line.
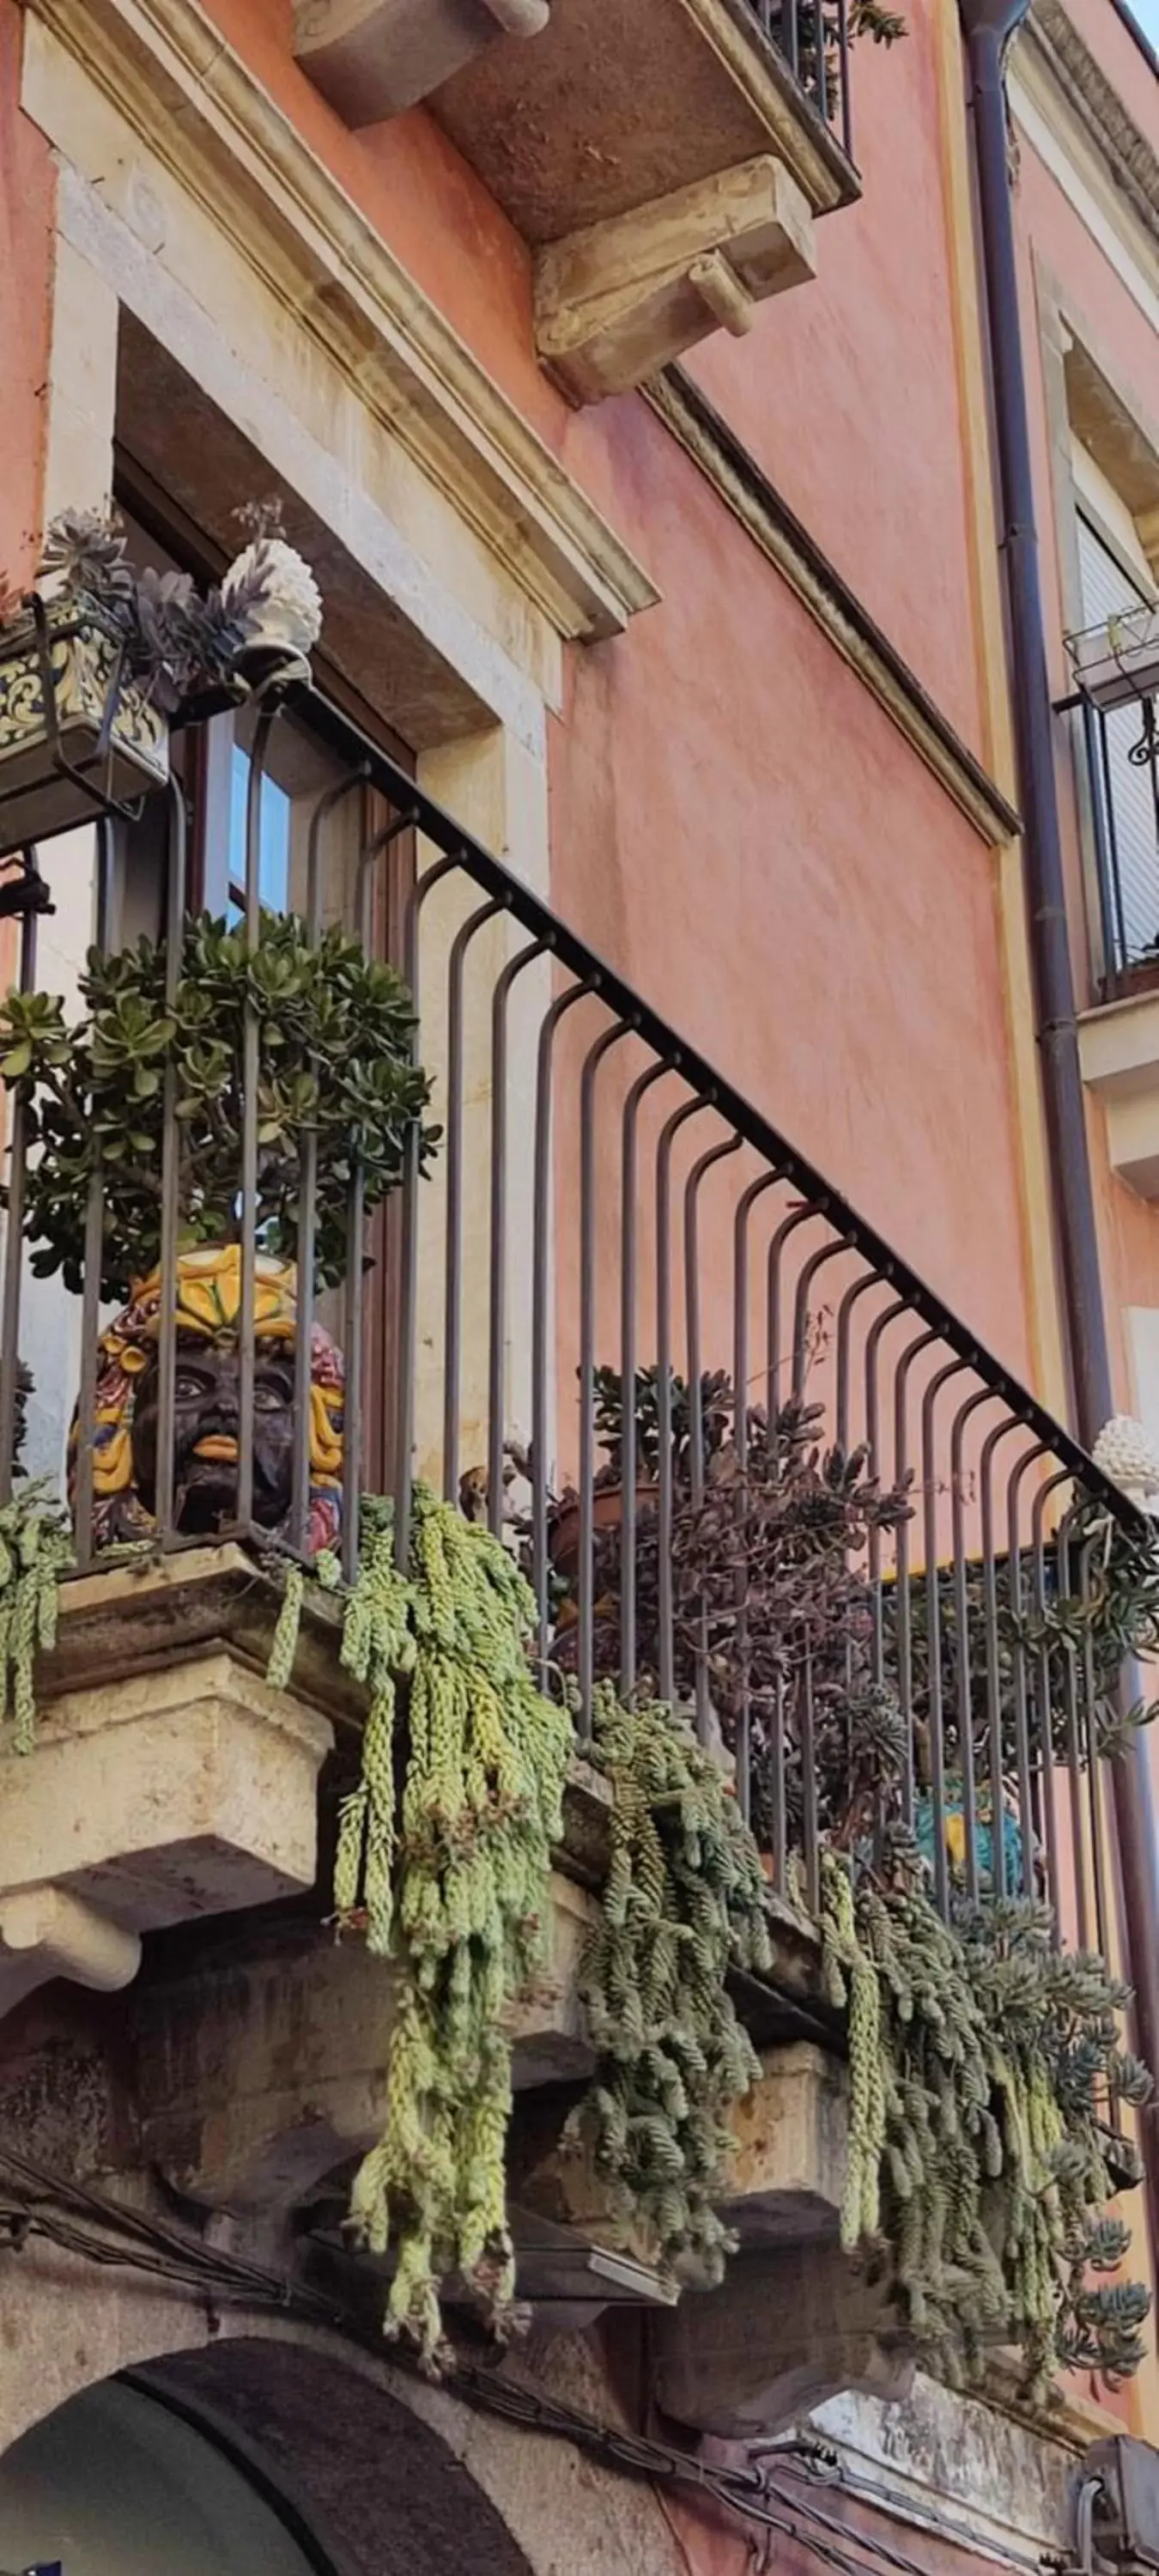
82 743
954 1837
207 1408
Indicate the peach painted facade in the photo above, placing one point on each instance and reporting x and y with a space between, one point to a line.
722 740
1088 290
716 666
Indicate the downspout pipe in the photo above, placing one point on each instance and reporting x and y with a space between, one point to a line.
988 27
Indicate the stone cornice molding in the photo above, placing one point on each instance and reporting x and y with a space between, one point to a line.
748 493
195 104
1106 123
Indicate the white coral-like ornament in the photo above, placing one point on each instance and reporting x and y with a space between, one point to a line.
272 593
1129 1456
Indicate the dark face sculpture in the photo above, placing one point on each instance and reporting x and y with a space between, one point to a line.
207 1434
207 1415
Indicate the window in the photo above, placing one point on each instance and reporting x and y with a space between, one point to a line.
212 761
296 772
273 837
1124 789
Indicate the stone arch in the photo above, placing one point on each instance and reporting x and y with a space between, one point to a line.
364 2483
382 2491
539 2506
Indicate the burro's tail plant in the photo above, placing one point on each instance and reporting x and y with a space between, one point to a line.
444 1860
35 1549
983 2064
684 1900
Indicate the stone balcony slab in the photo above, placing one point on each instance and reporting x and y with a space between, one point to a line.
175 1786
372 58
1119 1054
261 2073
150 1801
558 131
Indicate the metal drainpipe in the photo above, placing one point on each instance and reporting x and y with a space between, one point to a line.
988 26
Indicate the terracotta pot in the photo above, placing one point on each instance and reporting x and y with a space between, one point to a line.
563 1538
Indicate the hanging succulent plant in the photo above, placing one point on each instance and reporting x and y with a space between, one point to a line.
984 2063
444 1860
684 1900
35 1550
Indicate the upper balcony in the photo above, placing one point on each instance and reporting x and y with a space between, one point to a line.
821 1634
649 229
1115 716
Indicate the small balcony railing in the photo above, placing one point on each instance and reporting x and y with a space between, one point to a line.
813 37
750 1462
1118 747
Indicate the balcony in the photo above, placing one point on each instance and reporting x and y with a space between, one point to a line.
618 1333
647 233
1117 756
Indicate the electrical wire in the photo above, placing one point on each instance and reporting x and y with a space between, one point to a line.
86 2223
928 2517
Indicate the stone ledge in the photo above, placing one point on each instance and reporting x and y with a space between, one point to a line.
259 2076
783 2185
136 1618
1119 1056
789 2328
372 58
154 1628
153 1800
554 127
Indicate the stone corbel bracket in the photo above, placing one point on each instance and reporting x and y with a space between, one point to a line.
372 58
621 299
260 2074
150 1797
45 1932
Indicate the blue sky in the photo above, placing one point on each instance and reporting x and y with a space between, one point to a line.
1147 13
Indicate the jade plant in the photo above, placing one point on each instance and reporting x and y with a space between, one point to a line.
335 1057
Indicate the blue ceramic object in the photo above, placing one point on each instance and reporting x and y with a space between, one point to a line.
954 1836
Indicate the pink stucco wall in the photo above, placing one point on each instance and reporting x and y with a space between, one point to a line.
735 820
847 395
1060 260
26 239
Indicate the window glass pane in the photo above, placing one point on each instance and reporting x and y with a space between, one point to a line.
1126 793
274 846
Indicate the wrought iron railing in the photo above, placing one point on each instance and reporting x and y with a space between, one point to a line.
1118 748
886 1612
813 37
